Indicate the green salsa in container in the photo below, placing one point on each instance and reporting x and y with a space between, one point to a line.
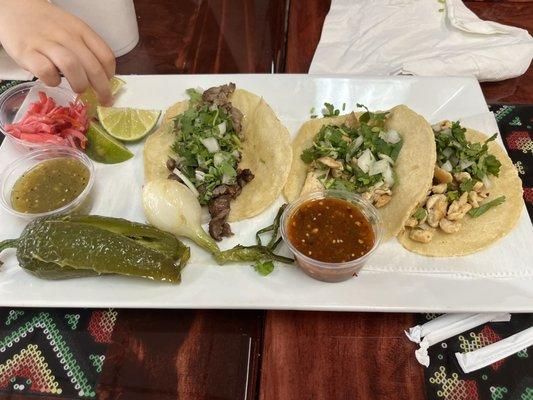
52 180
49 185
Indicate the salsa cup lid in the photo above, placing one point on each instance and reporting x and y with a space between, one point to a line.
15 169
368 210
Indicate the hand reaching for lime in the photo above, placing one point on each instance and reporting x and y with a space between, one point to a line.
89 96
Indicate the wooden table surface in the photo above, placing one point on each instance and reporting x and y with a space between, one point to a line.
269 355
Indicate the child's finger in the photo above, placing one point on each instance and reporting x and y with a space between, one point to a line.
93 69
40 66
69 64
101 50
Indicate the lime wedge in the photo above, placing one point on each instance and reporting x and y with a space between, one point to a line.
127 124
89 97
102 147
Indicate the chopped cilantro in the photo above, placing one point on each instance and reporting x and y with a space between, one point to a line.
264 267
420 213
346 144
206 146
329 110
467 186
453 147
453 195
194 95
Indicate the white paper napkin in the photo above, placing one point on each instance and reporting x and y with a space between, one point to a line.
419 37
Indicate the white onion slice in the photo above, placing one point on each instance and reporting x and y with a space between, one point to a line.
486 182
218 159
465 164
447 166
357 142
365 160
382 167
447 152
379 167
386 157
186 181
226 179
211 144
222 128
200 175
390 136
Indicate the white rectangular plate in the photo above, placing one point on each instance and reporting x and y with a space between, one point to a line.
206 285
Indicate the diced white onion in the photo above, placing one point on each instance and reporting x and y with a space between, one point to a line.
465 164
200 175
218 159
436 127
357 142
186 181
226 179
378 167
447 152
365 160
388 177
222 128
454 160
386 157
486 182
211 144
447 166
390 136
384 168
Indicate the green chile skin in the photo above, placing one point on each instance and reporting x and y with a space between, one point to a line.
60 247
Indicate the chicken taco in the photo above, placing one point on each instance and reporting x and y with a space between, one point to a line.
387 157
228 147
476 197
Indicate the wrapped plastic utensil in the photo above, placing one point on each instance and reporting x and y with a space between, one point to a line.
451 330
416 333
477 359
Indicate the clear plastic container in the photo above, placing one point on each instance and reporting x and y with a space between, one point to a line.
80 205
12 101
326 271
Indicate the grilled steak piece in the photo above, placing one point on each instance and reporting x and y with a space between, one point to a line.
220 96
220 204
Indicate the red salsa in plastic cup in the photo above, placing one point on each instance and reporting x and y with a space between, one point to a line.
331 233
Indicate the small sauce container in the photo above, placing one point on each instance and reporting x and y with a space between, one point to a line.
355 207
8 178
14 98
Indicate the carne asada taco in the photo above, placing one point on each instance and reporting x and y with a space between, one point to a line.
387 157
476 197
228 147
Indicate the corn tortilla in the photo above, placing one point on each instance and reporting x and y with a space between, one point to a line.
479 233
414 166
266 152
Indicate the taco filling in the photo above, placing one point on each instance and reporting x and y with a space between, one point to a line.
359 159
461 184
206 152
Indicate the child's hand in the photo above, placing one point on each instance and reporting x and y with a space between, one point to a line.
46 40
